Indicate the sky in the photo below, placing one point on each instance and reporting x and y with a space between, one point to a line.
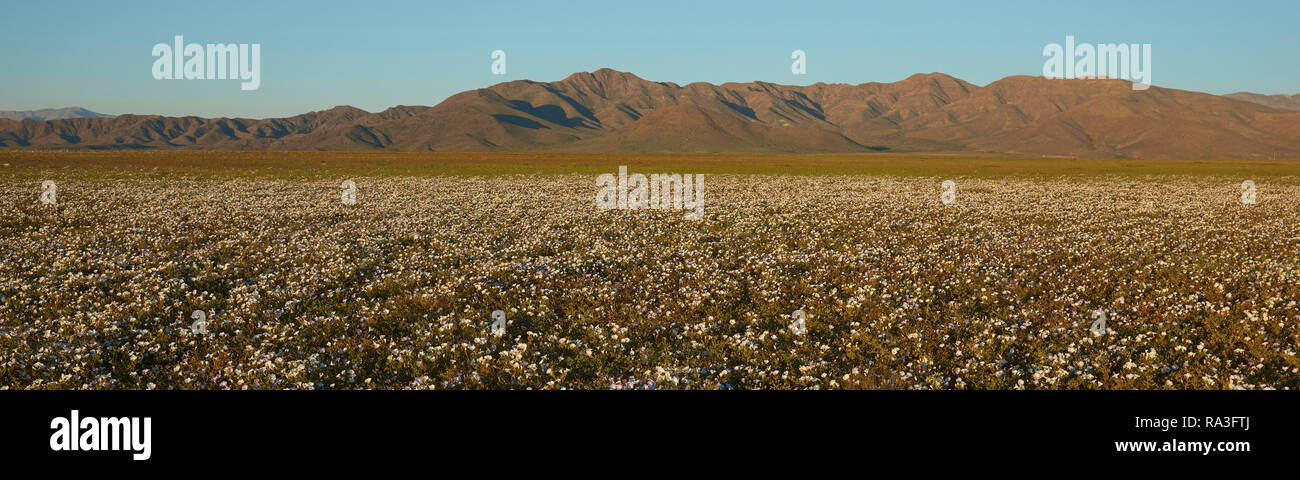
376 54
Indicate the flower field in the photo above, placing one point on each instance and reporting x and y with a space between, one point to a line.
1002 289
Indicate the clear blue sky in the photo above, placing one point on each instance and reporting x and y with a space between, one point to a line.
375 54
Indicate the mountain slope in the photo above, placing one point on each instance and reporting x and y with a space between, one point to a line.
694 129
1108 118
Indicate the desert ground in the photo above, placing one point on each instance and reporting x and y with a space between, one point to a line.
1004 288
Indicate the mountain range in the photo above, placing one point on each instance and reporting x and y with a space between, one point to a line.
613 111
1284 102
51 114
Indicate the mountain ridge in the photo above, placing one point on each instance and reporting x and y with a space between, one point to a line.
1283 102
51 114
611 111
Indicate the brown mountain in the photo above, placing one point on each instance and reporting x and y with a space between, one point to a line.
613 111
1283 102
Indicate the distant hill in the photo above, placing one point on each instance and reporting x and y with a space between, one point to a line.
1284 102
612 111
51 114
